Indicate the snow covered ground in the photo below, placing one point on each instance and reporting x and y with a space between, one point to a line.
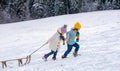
99 43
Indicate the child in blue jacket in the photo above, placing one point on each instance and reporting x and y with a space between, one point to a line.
70 39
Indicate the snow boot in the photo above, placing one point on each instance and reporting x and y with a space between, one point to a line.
63 57
75 54
45 57
54 58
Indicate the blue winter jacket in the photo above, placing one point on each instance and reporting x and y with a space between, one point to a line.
71 35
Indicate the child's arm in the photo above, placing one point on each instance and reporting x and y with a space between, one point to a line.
67 36
77 36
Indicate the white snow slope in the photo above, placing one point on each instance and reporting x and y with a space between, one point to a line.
99 43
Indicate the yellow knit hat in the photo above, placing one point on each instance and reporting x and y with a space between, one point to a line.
77 25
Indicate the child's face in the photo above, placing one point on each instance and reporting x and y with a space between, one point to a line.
76 30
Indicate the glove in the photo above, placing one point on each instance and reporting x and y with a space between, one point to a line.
77 40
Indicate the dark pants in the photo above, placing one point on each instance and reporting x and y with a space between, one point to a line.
69 48
52 52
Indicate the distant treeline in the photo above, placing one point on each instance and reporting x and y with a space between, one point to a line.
21 10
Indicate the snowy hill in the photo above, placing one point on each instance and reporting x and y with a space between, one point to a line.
99 43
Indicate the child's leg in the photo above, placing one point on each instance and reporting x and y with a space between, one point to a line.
54 55
76 47
69 48
48 54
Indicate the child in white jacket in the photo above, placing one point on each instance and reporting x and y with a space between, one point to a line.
54 42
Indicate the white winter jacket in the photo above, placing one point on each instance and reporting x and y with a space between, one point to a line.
54 42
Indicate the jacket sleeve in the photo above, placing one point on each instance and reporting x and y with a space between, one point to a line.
59 30
77 36
67 36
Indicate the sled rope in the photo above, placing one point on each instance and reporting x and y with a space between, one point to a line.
20 62
37 49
